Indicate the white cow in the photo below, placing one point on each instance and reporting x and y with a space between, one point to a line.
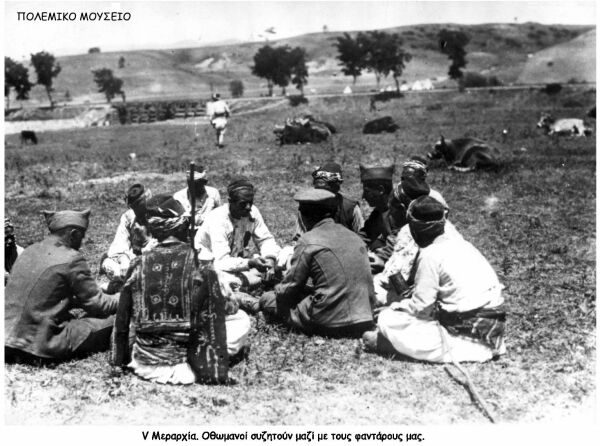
571 126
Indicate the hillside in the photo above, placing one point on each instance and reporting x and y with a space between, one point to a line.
574 60
498 49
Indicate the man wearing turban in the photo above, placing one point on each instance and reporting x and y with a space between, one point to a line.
157 319
207 197
456 309
227 231
130 240
48 280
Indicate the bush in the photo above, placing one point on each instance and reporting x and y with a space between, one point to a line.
94 50
236 88
476 80
552 88
297 99
385 96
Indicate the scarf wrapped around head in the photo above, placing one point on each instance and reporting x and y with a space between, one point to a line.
329 172
239 185
426 218
413 180
165 217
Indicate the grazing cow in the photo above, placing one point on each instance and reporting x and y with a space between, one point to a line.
465 154
571 126
380 125
28 136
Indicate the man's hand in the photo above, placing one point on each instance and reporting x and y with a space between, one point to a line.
260 264
271 272
376 263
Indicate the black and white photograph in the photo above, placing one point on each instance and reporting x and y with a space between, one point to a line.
242 218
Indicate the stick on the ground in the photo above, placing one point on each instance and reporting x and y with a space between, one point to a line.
470 386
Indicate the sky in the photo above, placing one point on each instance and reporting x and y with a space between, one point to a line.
166 24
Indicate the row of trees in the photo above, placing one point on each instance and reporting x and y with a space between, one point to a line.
16 76
280 66
377 52
382 53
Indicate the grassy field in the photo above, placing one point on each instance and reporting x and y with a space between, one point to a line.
534 220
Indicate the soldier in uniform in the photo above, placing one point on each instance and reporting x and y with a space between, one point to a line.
48 281
328 289
348 213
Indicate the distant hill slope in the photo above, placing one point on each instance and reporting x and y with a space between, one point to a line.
498 49
573 60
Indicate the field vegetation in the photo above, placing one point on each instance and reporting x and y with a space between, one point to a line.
534 220
500 50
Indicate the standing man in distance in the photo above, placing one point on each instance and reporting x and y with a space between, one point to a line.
218 111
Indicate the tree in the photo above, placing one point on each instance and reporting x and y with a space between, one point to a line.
351 55
276 65
452 43
46 68
16 76
298 68
384 54
94 50
265 65
108 84
236 88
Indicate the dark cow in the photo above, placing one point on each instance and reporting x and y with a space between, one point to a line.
568 127
28 136
465 154
301 130
380 125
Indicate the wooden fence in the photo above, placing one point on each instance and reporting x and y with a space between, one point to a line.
143 112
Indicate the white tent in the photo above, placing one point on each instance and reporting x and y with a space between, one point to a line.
347 90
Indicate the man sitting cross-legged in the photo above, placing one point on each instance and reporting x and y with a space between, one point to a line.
130 239
207 197
152 328
48 281
226 233
456 310
328 289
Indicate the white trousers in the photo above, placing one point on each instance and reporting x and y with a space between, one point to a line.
238 328
421 339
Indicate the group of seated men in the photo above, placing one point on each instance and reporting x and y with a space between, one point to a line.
403 281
